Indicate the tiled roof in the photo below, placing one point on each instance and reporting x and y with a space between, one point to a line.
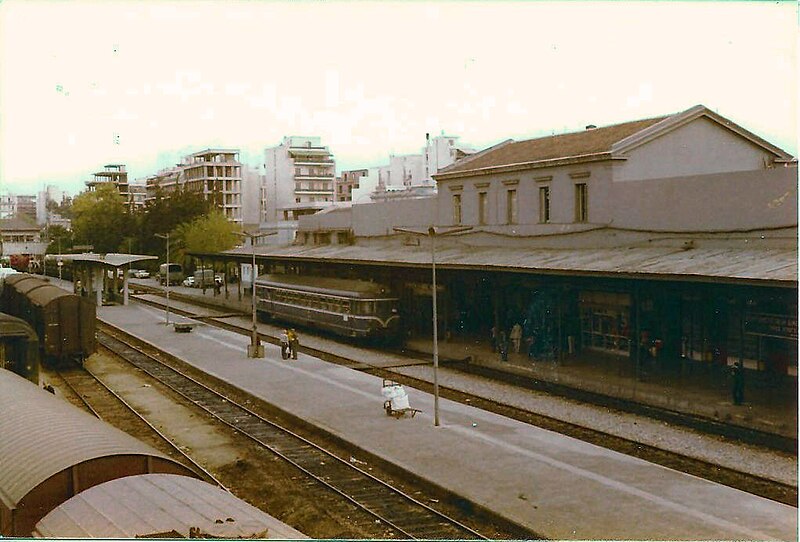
18 224
594 141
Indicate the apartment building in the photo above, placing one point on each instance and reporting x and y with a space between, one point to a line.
114 174
410 175
348 182
215 173
299 178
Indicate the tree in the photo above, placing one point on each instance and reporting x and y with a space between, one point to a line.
60 239
63 209
100 218
162 215
210 233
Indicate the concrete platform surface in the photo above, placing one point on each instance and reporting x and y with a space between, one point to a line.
554 485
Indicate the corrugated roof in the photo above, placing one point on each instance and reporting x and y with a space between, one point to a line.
594 141
42 435
149 504
14 278
734 264
46 294
13 327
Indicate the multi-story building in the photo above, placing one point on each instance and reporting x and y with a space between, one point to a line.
441 151
252 181
114 174
348 182
299 177
410 175
672 237
138 191
26 207
8 205
215 173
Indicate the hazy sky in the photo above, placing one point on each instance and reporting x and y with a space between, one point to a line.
87 83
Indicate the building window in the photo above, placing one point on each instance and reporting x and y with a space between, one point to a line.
581 203
544 204
511 206
456 208
483 199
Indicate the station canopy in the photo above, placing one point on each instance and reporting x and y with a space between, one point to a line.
109 260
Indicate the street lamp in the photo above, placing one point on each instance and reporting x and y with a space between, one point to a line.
433 234
166 236
254 349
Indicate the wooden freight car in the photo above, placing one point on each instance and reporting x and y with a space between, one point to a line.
19 348
64 322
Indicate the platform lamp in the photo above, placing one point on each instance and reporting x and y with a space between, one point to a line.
166 236
433 234
255 349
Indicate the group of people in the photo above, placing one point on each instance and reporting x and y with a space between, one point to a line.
289 342
502 341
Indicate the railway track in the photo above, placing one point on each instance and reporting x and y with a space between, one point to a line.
409 517
107 405
765 487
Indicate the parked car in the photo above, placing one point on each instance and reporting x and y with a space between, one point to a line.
141 274
188 281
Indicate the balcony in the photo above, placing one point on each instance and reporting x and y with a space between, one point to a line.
309 161
313 176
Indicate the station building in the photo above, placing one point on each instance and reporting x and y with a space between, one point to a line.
670 240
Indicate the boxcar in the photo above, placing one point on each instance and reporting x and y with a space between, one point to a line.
19 348
354 308
64 322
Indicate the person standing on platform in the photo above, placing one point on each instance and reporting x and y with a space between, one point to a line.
503 345
516 337
284 340
294 342
493 338
738 383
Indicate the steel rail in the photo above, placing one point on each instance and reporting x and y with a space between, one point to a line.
408 516
199 469
691 465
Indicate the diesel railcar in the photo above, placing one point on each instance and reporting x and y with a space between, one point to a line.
19 348
352 308
64 322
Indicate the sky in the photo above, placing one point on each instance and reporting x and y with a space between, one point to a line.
89 83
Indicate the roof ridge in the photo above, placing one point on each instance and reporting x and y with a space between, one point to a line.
469 158
597 128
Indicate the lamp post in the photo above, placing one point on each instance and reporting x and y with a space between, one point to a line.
254 349
166 236
433 234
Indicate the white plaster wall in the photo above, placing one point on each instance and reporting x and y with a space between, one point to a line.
700 147
403 166
722 201
380 218
562 195
366 185
278 182
251 195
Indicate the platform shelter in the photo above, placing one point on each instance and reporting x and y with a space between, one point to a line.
102 276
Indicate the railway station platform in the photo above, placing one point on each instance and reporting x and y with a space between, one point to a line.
554 485
693 388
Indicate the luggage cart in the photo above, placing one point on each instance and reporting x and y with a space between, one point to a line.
396 400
